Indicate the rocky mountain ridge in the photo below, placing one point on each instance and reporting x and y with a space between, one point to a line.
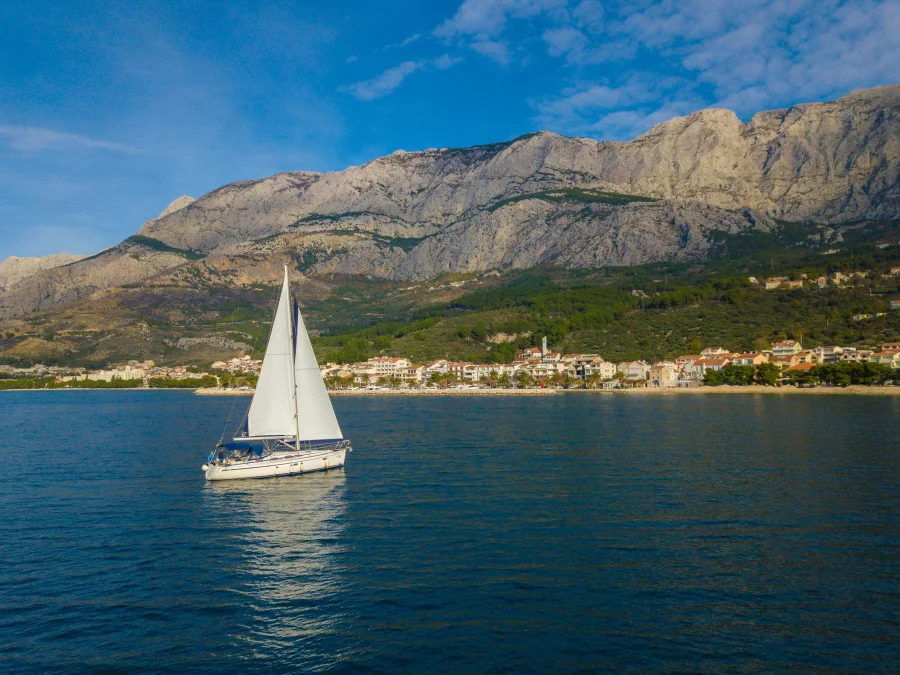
830 162
669 194
14 269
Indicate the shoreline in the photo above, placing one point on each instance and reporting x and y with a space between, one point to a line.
101 389
722 390
404 392
446 392
852 390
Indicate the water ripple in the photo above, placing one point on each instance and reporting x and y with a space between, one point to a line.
572 533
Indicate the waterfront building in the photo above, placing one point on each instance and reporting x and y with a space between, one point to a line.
634 370
687 360
786 348
888 357
714 351
388 366
856 355
599 368
711 363
830 354
663 374
413 374
530 353
440 366
750 359
785 362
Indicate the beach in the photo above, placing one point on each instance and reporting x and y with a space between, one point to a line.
855 390
402 392
852 390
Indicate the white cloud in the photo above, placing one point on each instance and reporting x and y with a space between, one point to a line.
392 78
628 124
618 112
496 51
488 17
36 138
746 55
446 61
399 45
589 15
788 49
385 83
478 23
565 41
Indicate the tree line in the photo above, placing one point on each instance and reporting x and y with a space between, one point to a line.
840 374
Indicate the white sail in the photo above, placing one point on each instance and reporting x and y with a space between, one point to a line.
272 410
316 420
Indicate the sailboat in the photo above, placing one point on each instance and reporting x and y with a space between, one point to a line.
290 427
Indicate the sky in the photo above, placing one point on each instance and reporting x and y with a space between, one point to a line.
110 110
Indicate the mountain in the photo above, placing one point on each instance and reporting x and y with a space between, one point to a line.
829 162
14 269
675 193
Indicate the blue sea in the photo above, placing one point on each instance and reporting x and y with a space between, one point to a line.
573 533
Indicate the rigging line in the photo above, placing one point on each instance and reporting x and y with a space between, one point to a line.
231 412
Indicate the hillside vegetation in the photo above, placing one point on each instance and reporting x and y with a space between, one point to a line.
651 311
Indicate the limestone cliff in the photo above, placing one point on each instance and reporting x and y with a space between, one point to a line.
14 269
829 162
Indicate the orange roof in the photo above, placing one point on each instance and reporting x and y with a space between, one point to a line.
713 361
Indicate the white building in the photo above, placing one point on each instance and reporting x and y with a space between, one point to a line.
388 366
440 367
634 370
413 374
602 369
663 374
786 348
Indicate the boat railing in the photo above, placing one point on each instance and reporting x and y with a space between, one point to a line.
317 447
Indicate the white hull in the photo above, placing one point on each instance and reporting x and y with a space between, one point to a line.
278 464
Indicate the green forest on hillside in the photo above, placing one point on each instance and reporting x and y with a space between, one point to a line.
651 311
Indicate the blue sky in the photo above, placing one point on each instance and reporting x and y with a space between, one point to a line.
110 110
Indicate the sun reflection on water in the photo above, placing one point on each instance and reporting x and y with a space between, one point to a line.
288 532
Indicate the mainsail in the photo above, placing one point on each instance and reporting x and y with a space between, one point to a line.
290 399
272 412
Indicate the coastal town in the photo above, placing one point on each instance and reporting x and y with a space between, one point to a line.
539 366
786 362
